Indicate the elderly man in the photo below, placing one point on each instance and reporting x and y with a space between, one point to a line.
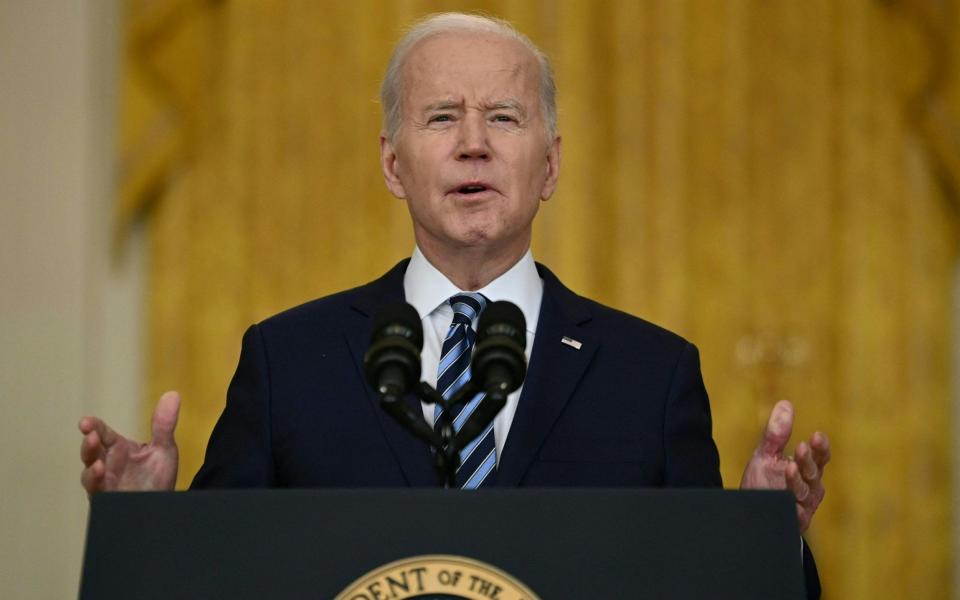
470 143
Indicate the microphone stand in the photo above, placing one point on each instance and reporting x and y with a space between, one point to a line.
391 363
408 418
447 452
446 456
445 442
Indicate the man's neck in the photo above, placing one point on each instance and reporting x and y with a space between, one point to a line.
471 269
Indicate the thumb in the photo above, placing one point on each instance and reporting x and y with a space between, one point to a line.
778 430
164 419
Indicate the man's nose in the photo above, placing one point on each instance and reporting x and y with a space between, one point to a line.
473 143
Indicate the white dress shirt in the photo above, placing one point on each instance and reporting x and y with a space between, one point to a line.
428 290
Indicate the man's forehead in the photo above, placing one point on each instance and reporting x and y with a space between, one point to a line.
444 63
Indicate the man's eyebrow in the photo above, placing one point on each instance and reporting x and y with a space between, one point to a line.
443 105
508 104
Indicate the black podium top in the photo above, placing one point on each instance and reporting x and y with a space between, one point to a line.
560 543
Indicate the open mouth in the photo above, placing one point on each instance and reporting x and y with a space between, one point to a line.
473 188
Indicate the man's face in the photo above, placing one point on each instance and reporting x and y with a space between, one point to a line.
471 156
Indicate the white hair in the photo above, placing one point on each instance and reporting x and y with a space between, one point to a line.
391 92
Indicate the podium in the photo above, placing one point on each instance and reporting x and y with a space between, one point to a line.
366 544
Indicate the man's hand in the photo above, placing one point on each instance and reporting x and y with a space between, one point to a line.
114 463
770 469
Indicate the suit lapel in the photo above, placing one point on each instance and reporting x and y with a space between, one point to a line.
414 456
555 370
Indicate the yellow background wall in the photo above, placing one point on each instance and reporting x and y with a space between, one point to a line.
775 180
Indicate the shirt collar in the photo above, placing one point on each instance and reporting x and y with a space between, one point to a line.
427 289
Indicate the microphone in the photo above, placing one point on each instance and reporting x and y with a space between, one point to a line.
392 362
498 365
392 366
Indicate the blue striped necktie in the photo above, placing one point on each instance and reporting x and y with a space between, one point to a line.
478 460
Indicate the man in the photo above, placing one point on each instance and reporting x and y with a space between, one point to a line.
470 144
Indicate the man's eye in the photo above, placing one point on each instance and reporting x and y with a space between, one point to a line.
504 119
440 119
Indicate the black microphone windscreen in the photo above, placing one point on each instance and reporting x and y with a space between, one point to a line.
503 318
399 319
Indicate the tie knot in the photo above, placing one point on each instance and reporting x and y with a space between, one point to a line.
467 306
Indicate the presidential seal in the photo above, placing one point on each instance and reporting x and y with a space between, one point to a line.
433 577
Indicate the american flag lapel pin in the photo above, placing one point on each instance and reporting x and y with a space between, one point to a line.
576 345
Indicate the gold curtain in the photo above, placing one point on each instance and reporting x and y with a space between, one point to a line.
775 180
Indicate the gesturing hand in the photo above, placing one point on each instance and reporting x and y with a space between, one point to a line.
113 463
770 469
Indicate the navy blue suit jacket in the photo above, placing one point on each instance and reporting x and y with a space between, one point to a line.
628 408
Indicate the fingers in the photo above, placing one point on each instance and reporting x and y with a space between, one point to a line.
107 435
91 449
809 470
796 483
812 458
92 478
809 497
802 474
164 419
805 477
808 467
778 430
821 449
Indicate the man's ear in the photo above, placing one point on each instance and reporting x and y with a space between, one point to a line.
388 162
553 170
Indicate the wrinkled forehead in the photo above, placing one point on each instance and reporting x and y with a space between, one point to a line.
470 66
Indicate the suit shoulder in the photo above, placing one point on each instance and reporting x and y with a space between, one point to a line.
341 310
617 324
325 317
318 308
613 325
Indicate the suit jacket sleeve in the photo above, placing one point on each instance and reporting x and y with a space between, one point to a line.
690 455
239 453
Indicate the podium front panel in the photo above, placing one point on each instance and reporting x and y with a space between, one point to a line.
561 543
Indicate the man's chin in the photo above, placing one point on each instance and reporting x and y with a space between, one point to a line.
471 242
479 235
